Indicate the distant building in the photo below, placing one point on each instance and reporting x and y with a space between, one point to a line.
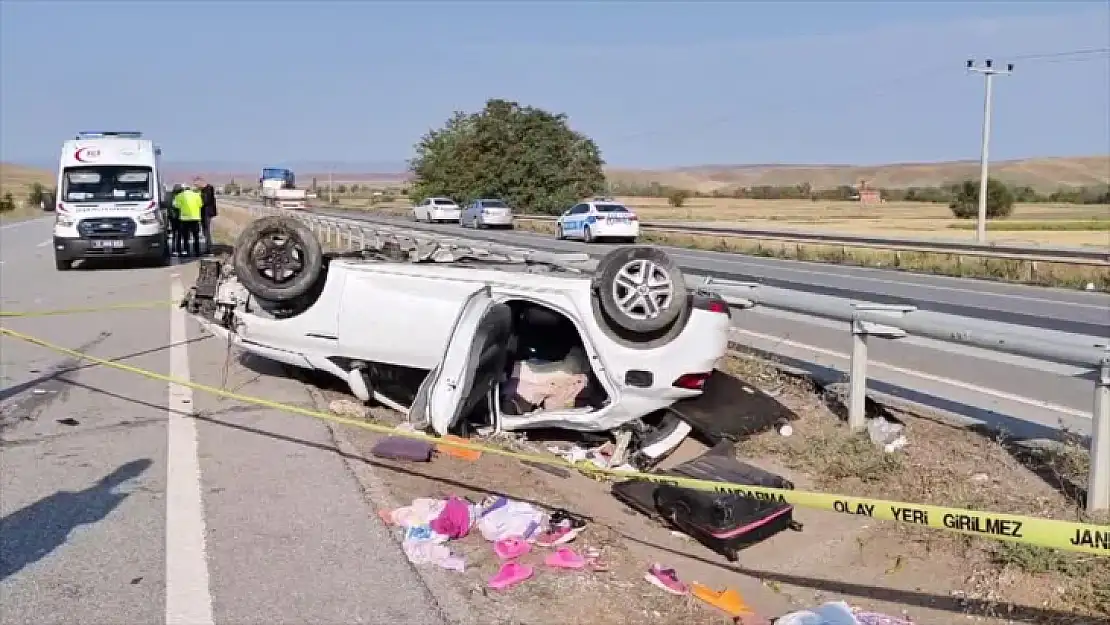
865 194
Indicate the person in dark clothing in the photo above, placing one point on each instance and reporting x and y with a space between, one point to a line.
208 211
176 242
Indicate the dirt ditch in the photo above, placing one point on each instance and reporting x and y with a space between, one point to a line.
924 575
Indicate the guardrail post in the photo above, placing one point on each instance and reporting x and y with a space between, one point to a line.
863 327
1098 482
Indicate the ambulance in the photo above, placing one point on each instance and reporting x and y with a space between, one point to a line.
111 200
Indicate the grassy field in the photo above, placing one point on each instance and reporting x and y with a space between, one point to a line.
17 180
1059 224
1043 174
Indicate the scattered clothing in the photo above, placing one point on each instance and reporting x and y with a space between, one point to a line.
455 519
838 613
427 552
402 448
422 511
504 518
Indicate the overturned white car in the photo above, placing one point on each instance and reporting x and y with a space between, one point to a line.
455 336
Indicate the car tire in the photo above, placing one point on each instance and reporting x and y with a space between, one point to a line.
587 236
628 269
62 264
280 238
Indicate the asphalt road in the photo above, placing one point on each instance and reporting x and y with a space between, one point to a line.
127 500
1027 398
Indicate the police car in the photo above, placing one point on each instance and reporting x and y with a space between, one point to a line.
600 218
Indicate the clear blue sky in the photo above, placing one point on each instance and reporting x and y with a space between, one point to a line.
654 83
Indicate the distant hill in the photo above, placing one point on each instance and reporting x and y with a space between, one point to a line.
1043 174
17 179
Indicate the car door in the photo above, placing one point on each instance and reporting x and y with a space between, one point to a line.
417 210
575 220
473 363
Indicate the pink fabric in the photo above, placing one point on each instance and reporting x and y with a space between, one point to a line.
454 521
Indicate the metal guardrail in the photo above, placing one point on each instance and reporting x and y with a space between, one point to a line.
1070 255
864 319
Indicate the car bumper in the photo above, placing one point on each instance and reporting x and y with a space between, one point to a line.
616 230
496 220
441 215
152 246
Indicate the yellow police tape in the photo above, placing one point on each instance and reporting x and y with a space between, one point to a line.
92 309
1065 535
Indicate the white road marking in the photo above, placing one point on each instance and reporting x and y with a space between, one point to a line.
188 595
922 376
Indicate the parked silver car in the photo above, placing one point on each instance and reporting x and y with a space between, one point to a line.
486 214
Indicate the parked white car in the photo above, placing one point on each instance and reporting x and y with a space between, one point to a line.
597 220
487 213
436 209
454 337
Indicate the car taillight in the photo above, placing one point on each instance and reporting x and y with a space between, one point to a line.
633 217
711 303
691 381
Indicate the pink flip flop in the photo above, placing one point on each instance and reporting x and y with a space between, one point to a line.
511 573
665 579
512 547
565 558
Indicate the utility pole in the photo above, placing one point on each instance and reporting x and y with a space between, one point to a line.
989 71
331 188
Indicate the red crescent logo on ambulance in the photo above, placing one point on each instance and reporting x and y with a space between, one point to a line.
86 155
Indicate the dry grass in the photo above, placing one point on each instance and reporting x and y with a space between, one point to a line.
952 466
894 219
1044 174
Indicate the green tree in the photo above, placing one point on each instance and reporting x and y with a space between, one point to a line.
340 188
7 203
36 194
677 197
1000 201
525 155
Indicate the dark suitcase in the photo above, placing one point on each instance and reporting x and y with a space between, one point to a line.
723 522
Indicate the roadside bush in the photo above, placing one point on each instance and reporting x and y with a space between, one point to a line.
7 203
524 155
1000 201
36 194
677 197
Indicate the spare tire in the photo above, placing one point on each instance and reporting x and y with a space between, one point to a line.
640 289
278 258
